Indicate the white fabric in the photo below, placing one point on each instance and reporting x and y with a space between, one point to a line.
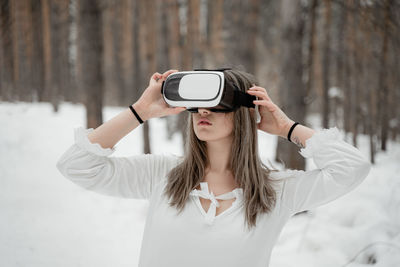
204 193
198 238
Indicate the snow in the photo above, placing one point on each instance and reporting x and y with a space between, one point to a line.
335 92
48 221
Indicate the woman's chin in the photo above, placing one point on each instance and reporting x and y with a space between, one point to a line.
204 137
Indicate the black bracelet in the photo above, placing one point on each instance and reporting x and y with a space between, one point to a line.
137 116
291 129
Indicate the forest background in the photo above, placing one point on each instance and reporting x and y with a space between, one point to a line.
336 58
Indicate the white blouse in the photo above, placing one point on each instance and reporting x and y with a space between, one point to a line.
201 238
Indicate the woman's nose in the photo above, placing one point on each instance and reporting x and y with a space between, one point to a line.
203 111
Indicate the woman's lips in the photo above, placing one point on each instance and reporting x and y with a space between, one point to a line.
204 122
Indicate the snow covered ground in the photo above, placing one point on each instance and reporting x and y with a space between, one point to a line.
46 220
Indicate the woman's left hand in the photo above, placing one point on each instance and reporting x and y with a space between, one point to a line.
273 119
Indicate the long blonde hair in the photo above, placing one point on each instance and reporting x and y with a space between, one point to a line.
249 171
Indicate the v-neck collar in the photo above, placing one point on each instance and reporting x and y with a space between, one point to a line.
210 216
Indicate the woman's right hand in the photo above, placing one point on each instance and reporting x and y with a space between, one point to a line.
151 103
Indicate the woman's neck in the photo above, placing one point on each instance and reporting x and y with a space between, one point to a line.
218 153
218 172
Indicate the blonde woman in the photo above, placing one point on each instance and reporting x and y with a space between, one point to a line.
218 205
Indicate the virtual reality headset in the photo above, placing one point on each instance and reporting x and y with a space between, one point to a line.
204 88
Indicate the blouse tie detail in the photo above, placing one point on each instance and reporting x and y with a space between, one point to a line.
204 193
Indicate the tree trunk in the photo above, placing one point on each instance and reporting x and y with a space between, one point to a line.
215 42
191 57
240 29
59 25
312 46
326 65
22 41
90 51
250 46
138 80
6 51
354 90
292 89
148 50
174 45
340 56
383 87
347 82
127 55
38 70
45 94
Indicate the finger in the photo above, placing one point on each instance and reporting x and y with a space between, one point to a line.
177 110
257 92
262 102
259 88
261 94
168 72
156 76
268 104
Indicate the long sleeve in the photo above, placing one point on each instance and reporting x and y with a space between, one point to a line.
91 167
340 168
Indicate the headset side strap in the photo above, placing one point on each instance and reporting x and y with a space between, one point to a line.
244 99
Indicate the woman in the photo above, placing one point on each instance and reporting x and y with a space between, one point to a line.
201 203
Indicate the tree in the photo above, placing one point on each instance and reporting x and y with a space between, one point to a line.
6 51
384 90
90 52
292 89
326 65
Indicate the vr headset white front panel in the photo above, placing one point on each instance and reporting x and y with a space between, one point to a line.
199 89
199 86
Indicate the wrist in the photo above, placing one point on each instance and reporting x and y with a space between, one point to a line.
286 129
140 111
291 131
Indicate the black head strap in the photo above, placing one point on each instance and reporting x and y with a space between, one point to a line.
241 98
220 69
